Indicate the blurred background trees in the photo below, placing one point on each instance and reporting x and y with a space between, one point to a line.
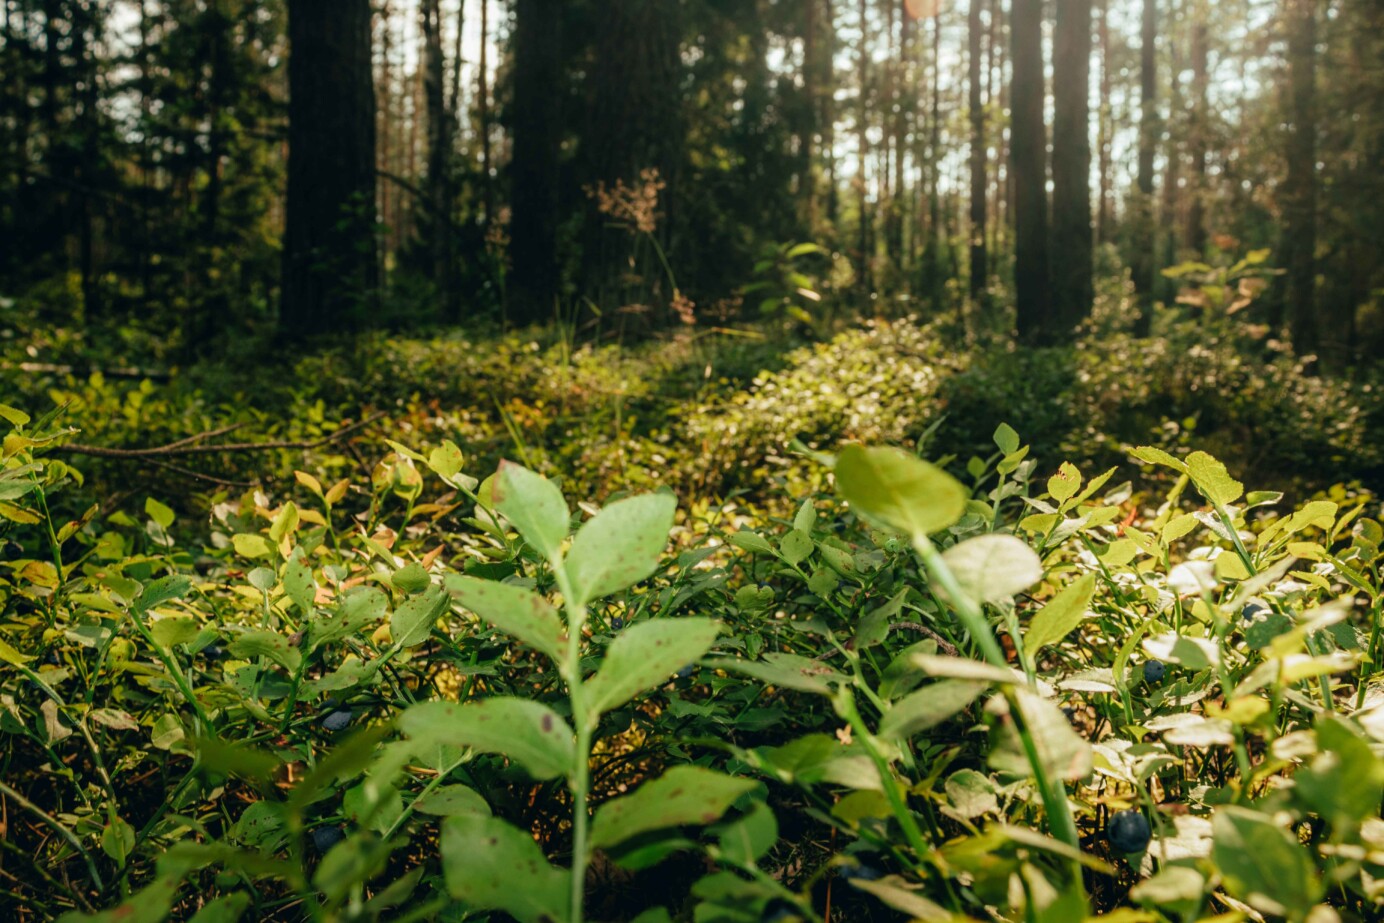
223 169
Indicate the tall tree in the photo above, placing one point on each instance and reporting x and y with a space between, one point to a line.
536 128
330 268
1199 130
1071 163
1300 191
979 175
1144 266
1105 220
1028 156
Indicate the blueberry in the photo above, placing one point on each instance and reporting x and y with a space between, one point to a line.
324 838
1154 671
337 720
1070 712
779 910
213 652
1251 611
1128 832
686 672
617 623
860 872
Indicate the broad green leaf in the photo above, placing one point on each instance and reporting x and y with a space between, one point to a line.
897 892
1212 479
644 656
165 589
226 909
1262 864
451 800
411 578
1155 456
796 547
150 904
158 512
993 568
928 707
789 671
251 545
118 839
894 488
171 631
353 861
747 839
446 460
751 542
1065 483
528 732
619 546
1062 614
535 506
14 415
1192 653
972 793
1064 753
12 656
806 517
682 795
518 612
358 607
1006 439
490 865
413 620
267 644
299 585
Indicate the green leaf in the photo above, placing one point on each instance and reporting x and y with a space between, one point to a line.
993 568
1065 483
518 612
358 607
535 506
1212 479
928 707
165 589
972 793
267 644
251 545
796 547
682 795
12 656
747 839
644 656
1006 439
620 546
227 909
1345 781
411 578
751 542
412 622
298 583
1155 456
14 415
158 512
490 865
898 490
1262 864
451 800
528 732
117 840
171 631
1062 614
789 671
1063 753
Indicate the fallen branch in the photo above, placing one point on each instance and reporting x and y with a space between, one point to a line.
187 446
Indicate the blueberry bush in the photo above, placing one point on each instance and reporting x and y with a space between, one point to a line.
436 691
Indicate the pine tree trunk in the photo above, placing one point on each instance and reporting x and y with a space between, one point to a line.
1300 192
1142 261
979 177
532 284
1071 164
1105 222
1195 237
1028 156
330 271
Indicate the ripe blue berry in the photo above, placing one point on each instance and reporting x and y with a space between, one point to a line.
338 719
860 872
1128 832
686 671
1154 671
324 838
617 623
1251 611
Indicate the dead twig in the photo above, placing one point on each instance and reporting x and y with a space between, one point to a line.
185 446
197 475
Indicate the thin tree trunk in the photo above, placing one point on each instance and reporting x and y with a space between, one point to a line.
1105 223
1071 164
1198 139
1029 158
863 121
1143 264
483 105
979 178
1300 205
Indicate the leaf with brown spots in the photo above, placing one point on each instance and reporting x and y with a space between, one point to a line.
491 865
535 506
644 656
518 612
682 795
530 733
620 546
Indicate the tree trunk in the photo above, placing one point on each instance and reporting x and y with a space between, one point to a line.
979 269
1142 262
483 116
533 281
862 126
1105 222
1028 154
330 268
1300 191
1198 134
1071 164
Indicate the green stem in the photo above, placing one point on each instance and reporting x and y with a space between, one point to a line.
581 772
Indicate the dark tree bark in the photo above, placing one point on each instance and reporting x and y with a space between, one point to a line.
1105 221
1071 164
979 178
532 286
1142 261
483 117
1199 130
440 188
1028 155
862 129
330 271
1300 191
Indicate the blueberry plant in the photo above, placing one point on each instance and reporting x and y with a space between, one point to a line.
426 695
